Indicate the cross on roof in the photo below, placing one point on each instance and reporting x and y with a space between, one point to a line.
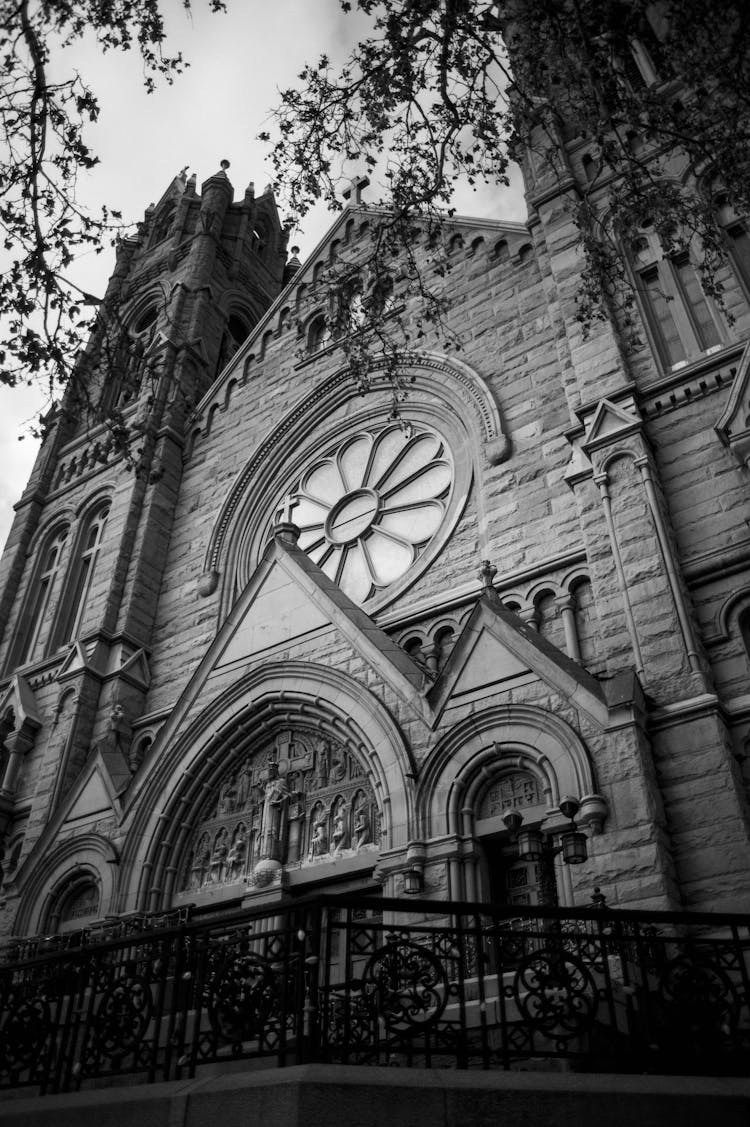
353 194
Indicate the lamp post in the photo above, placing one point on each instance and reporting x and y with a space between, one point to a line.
539 846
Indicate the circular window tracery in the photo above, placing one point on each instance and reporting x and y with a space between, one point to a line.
369 508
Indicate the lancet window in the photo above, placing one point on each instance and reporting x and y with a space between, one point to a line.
82 576
39 599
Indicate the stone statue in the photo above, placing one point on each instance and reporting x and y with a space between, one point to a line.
244 783
361 826
339 836
322 765
236 855
319 840
228 796
338 770
219 859
274 810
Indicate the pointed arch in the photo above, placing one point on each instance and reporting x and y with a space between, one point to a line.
239 722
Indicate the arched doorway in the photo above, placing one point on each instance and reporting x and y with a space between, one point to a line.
519 758
505 878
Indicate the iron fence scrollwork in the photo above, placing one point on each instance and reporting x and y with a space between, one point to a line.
357 979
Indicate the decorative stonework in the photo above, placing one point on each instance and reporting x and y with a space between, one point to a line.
511 792
369 507
461 392
82 903
301 800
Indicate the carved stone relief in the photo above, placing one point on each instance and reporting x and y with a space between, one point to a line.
81 904
511 791
301 800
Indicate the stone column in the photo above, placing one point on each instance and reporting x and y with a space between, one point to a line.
566 606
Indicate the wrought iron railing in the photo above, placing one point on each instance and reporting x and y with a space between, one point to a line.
359 980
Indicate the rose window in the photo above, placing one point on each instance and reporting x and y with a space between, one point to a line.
368 510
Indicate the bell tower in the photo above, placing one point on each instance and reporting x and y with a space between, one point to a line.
81 573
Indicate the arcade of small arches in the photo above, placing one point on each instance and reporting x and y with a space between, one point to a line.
562 613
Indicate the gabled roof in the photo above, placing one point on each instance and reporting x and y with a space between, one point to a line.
497 648
337 228
92 798
287 601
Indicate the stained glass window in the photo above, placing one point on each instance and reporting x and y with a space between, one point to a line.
368 509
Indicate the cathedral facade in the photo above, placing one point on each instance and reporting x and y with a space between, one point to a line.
494 648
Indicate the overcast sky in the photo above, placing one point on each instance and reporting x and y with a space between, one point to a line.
213 112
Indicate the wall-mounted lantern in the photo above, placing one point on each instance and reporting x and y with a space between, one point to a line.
538 845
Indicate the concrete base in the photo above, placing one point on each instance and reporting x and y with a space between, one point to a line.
318 1095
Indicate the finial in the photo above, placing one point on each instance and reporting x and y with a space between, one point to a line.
224 165
487 573
292 266
182 174
287 532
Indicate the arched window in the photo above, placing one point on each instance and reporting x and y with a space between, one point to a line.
502 251
76 905
235 333
81 575
445 640
163 223
127 360
39 598
413 647
682 322
317 333
260 240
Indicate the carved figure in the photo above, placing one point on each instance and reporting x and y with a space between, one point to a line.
272 825
319 840
361 826
244 783
219 859
295 818
338 770
284 819
201 864
228 796
322 764
339 837
236 855
118 730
